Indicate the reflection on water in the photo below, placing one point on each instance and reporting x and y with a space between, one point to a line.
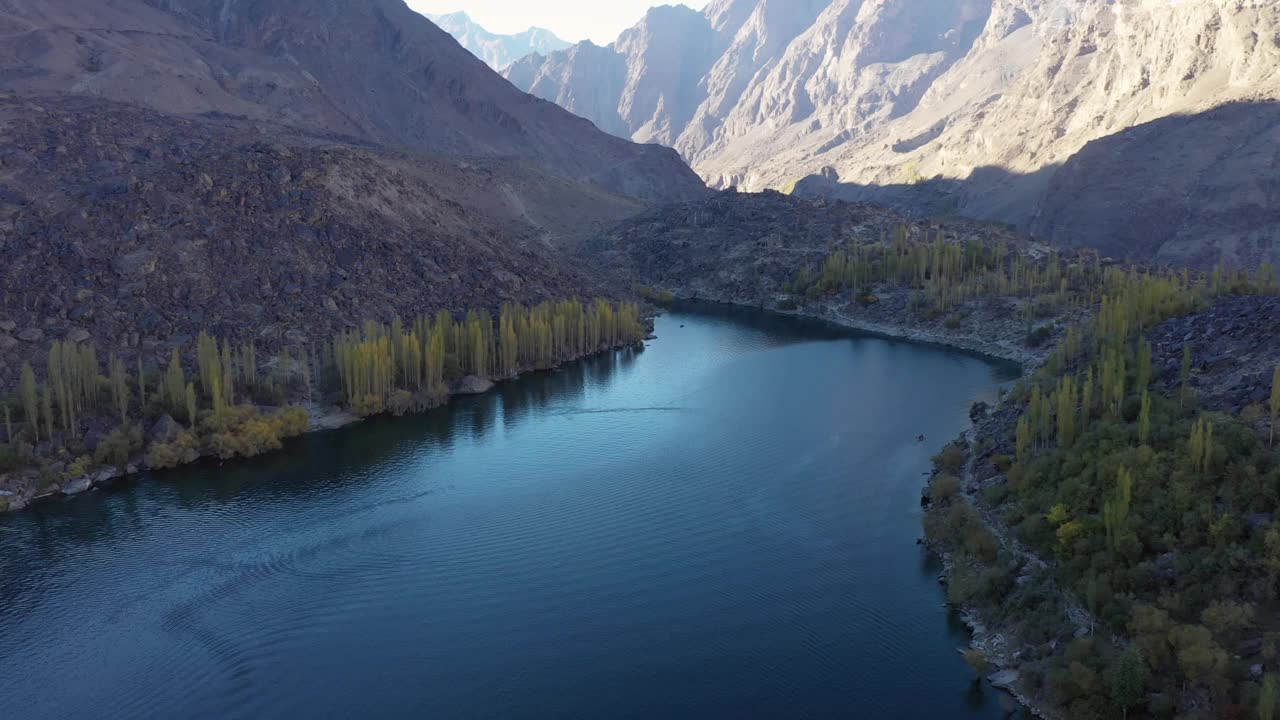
722 524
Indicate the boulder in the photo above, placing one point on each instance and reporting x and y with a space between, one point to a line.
31 335
139 262
164 430
1004 680
978 411
8 326
472 385
77 486
77 335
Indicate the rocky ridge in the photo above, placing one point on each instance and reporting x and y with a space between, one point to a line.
496 50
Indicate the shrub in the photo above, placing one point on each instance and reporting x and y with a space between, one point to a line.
943 488
367 405
10 459
400 402
181 451
118 445
787 304
950 460
244 432
953 322
1039 336
79 468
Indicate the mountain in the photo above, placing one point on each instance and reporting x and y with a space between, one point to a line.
371 70
280 170
498 51
1002 110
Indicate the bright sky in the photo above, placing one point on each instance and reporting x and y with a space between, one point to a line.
598 20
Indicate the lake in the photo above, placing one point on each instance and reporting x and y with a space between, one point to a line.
724 524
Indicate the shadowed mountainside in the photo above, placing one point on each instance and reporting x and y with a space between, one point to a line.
1190 190
139 230
992 95
370 69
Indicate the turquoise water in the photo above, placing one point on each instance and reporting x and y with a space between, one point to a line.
722 525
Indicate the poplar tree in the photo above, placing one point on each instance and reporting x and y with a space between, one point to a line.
175 383
1086 401
1144 419
1066 397
1024 438
1144 365
1200 446
119 381
30 401
189 400
46 409
1267 697
1275 403
142 387
208 363
1115 512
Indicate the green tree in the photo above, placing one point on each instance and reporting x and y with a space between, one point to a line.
30 402
119 380
1115 512
1129 681
46 409
1144 420
1275 403
142 388
1144 365
189 402
1267 697
1200 447
175 384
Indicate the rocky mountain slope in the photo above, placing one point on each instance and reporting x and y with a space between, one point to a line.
744 247
373 70
281 170
139 230
498 51
1055 116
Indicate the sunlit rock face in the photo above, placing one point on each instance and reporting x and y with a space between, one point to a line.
982 107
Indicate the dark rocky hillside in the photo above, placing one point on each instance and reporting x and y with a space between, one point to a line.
138 230
742 247
1233 352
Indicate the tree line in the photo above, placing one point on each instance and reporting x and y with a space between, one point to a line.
215 390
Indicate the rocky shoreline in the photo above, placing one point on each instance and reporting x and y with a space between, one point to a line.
321 418
1004 341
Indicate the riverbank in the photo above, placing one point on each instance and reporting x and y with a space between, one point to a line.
993 329
22 488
